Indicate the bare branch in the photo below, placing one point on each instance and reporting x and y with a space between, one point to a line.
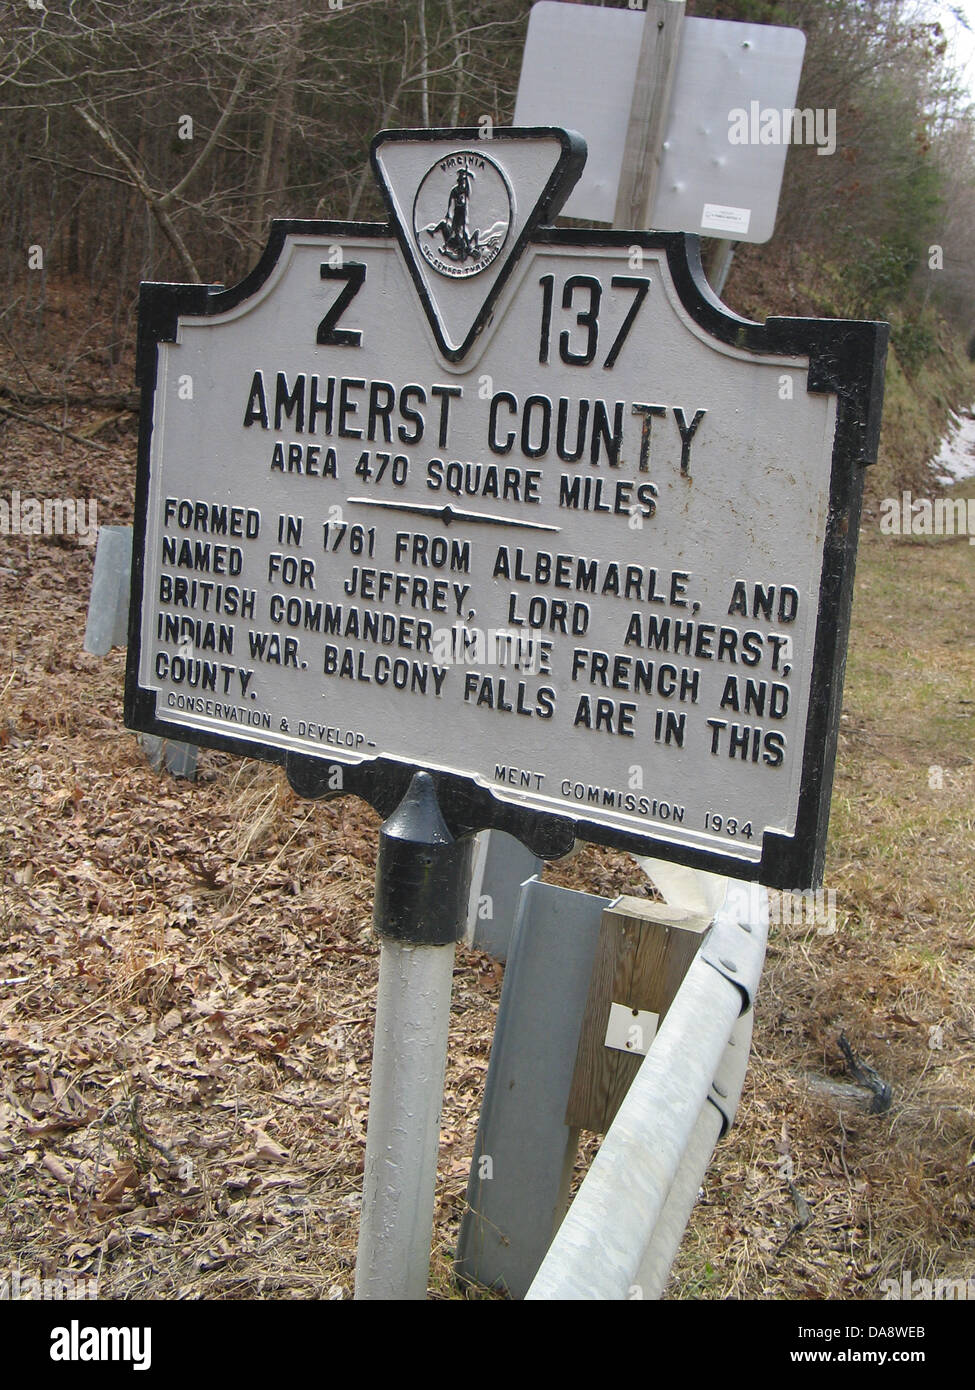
151 198
210 145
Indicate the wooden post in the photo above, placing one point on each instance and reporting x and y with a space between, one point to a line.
648 114
644 951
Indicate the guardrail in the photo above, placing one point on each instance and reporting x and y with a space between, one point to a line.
622 1231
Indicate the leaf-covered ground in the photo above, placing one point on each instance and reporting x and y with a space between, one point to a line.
188 968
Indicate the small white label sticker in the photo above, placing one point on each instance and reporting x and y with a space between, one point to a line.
631 1030
716 218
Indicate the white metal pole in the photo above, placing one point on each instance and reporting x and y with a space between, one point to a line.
405 1100
422 883
721 265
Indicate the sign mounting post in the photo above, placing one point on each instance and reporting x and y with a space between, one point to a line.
650 107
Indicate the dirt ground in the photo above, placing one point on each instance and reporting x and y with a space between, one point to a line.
188 969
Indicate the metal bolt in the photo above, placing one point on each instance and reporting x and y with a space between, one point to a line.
729 965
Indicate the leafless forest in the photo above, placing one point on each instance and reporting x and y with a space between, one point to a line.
156 142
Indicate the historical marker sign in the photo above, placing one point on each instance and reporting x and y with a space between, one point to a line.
528 508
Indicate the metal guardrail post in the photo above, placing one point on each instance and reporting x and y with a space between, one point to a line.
524 1151
108 606
501 865
107 626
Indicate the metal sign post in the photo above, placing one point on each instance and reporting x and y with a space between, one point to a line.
421 900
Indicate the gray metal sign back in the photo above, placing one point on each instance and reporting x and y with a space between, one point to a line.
721 172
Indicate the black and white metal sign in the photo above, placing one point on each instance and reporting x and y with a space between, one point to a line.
527 508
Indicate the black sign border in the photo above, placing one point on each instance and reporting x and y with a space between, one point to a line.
846 358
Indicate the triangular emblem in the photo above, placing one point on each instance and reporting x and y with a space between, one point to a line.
464 207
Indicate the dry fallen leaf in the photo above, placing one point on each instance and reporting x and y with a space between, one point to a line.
124 1176
55 1166
265 1149
59 1126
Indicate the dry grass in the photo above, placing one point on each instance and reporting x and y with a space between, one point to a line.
894 1191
